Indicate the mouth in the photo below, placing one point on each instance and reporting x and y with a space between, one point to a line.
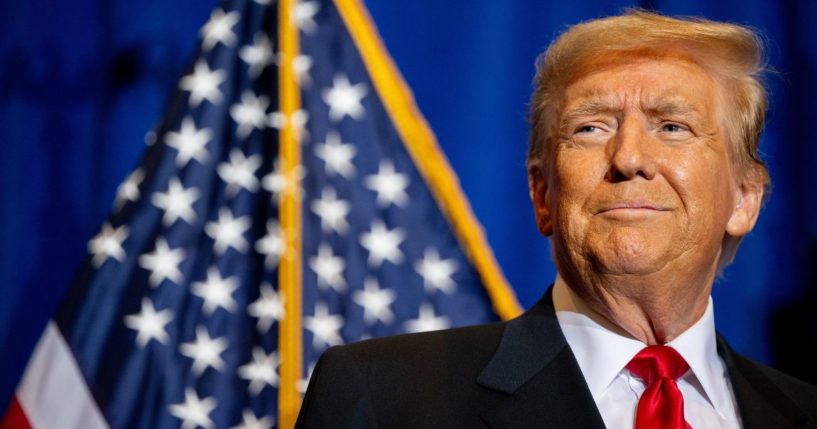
634 207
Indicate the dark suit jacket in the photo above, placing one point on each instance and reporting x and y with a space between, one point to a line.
516 374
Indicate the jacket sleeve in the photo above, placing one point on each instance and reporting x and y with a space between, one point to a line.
338 394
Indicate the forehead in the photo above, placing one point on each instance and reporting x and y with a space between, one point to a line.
663 84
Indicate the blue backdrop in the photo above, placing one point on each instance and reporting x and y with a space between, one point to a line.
82 82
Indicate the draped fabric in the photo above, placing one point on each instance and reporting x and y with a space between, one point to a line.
82 82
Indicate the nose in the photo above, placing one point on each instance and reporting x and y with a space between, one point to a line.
631 156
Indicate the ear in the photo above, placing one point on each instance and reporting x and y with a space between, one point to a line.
747 208
540 196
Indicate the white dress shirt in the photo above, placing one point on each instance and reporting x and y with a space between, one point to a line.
603 350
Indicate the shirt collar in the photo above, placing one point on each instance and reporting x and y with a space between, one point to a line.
602 349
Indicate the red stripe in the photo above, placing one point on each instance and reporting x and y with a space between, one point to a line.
15 417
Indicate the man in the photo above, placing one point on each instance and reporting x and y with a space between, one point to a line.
644 172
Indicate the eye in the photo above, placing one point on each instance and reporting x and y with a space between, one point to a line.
673 128
587 129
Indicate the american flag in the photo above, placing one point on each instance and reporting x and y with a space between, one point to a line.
292 199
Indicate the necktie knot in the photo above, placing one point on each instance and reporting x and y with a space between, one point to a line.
657 362
661 405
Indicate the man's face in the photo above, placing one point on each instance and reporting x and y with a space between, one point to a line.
640 179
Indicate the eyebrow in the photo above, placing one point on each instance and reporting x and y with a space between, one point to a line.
657 106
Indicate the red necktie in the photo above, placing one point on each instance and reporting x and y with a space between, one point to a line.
661 405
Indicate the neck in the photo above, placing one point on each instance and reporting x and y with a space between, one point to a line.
651 312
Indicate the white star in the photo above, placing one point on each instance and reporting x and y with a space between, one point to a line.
268 307
149 324
332 211
108 244
258 55
177 202
219 29
389 185
276 182
251 421
205 351
190 142
301 65
344 99
129 189
216 291
261 371
325 327
194 412
163 263
376 302
278 120
383 244
304 15
250 114
436 273
427 320
239 172
329 268
337 155
228 231
272 245
203 84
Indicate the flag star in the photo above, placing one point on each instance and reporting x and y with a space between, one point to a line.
250 113
190 142
149 324
203 84
344 99
268 307
304 16
332 211
278 120
194 411
427 321
216 291
272 245
301 65
228 231
389 185
325 327
258 55
177 202
383 244
205 351
276 182
261 371
250 421
163 263
436 273
329 268
219 28
108 244
336 155
239 172
129 189
376 302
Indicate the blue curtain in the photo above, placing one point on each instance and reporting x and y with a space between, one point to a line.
82 82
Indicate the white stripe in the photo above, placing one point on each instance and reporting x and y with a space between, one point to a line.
53 393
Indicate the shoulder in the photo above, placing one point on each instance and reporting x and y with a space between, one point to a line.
401 381
801 393
426 352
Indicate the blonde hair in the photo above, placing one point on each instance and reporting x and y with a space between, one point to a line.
733 54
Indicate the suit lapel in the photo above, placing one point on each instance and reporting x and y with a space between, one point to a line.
760 402
537 371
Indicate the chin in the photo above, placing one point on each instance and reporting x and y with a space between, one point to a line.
630 255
